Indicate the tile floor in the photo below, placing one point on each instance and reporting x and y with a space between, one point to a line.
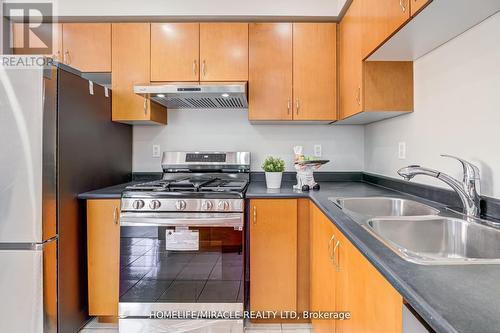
95 327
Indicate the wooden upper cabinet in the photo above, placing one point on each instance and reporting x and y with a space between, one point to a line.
87 46
273 254
381 19
417 5
223 51
32 44
314 71
130 66
270 71
351 75
103 237
175 49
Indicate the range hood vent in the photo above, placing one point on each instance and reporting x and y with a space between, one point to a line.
196 96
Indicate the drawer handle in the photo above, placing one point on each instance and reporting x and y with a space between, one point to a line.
254 215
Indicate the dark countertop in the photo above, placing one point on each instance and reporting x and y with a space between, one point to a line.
450 298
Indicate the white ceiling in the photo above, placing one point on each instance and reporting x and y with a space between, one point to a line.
193 8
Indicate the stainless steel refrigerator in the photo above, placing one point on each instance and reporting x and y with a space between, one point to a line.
56 140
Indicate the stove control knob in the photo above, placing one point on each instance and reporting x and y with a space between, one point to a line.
223 205
180 205
154 204
207 205
138 204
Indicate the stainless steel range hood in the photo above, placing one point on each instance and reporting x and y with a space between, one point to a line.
209 95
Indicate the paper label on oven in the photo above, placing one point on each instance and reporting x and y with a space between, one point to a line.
182 239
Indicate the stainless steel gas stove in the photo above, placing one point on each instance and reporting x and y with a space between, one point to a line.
182 242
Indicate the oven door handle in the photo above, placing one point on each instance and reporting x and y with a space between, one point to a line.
182 219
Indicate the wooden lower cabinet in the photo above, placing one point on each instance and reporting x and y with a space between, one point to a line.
273 254
103 237
342 279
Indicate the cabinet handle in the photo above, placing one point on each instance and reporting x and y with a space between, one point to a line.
194 67
66 59
145 107
288 106
297 104
330 242
402 5
254 215
58 56
335 261
358 96
204 68
115 215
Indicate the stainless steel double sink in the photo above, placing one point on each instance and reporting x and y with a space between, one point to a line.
422 234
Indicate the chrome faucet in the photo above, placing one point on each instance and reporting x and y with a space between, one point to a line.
468 189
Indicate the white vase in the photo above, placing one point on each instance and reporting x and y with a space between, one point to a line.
273 179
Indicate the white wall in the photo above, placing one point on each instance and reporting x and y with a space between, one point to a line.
457 111
195 7
230 130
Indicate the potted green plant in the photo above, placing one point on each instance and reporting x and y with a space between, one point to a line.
273 167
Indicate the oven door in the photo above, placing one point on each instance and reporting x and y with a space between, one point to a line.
158 275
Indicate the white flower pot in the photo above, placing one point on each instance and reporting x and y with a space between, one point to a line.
273 179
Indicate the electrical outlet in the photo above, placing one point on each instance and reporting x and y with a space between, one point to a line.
317 150
402 150
156 151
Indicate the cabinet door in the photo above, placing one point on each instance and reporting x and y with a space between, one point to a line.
48 31
314 71
351 94
375 306
175 49
380 20
417 5
270 71
131 65
87 46
322 270
273 254
103 237
224 51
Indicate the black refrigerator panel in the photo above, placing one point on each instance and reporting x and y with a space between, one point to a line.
93 152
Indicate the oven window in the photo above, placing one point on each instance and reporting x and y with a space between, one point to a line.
150 273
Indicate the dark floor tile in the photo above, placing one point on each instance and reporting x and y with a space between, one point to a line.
146 261
220 292
134 250
125 285
146 291
225 272
206 258
183 291
127 259
195 272
165 271
241 292
133 273
176 257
